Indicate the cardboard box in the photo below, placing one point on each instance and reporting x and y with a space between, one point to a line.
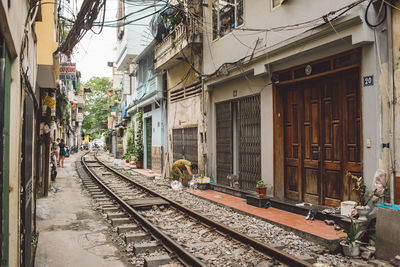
204 180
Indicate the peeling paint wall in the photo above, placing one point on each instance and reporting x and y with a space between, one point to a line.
396 77
12 19
184 113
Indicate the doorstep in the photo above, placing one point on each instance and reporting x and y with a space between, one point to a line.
316 231
286 205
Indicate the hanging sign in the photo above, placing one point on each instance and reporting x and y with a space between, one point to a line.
67 71
49 101
80 117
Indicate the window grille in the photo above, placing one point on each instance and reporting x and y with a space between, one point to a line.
185 92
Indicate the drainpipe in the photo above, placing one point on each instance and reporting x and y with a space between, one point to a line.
393 94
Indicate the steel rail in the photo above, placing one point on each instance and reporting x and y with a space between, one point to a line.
259 246
182 254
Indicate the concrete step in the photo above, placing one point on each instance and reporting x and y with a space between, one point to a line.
110 209
99 196
156 261
95 192
103 199
105 203
119 221
146 248
111 216
137 237
128 228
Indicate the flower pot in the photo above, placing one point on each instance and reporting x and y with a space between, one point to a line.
262 191
362 212
139 164
350 251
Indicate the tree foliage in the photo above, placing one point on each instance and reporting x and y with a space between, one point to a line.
96 107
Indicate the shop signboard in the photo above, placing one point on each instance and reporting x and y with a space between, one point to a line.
67 71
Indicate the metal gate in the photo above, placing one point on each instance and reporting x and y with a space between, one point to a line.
250 142
149 132
185 144
224 141
26 183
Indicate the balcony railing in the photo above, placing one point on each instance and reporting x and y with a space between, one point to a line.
173 43
147 88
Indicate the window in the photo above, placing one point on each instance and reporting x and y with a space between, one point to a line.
226 15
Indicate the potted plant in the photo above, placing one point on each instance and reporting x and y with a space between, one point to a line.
126 157
261 188
349 244
362 204
138 148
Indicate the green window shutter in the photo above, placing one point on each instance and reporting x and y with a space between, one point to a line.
6 151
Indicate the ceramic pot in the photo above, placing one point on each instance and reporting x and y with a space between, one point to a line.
139 164
262 191
350 251
362 212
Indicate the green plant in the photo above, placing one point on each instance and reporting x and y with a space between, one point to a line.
360 188
138 147
126 156
260 183
352 234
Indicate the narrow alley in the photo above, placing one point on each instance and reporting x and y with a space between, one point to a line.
72 233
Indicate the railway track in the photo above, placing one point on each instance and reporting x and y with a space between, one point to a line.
167 231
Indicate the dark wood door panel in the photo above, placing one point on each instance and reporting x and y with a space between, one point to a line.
322 138
292 182
292 107
311 143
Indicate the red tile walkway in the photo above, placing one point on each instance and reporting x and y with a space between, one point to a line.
316 228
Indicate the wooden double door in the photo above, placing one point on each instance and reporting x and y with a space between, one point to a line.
322 137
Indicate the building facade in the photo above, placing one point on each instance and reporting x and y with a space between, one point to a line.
150 98
178 53
298 104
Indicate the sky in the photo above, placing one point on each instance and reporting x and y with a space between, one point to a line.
94 51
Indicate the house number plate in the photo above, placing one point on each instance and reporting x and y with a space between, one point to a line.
368 80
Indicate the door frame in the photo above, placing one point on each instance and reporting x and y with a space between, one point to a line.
147 133
286 77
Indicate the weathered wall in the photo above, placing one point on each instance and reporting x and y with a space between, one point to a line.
12 19
280 50
387 233
184 113
396 66
46 35
223 92
258 14
156 137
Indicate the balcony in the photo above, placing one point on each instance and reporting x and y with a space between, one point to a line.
151 87
168 51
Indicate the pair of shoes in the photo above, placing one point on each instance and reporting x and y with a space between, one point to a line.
329 222
337 227
311 214
267 205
